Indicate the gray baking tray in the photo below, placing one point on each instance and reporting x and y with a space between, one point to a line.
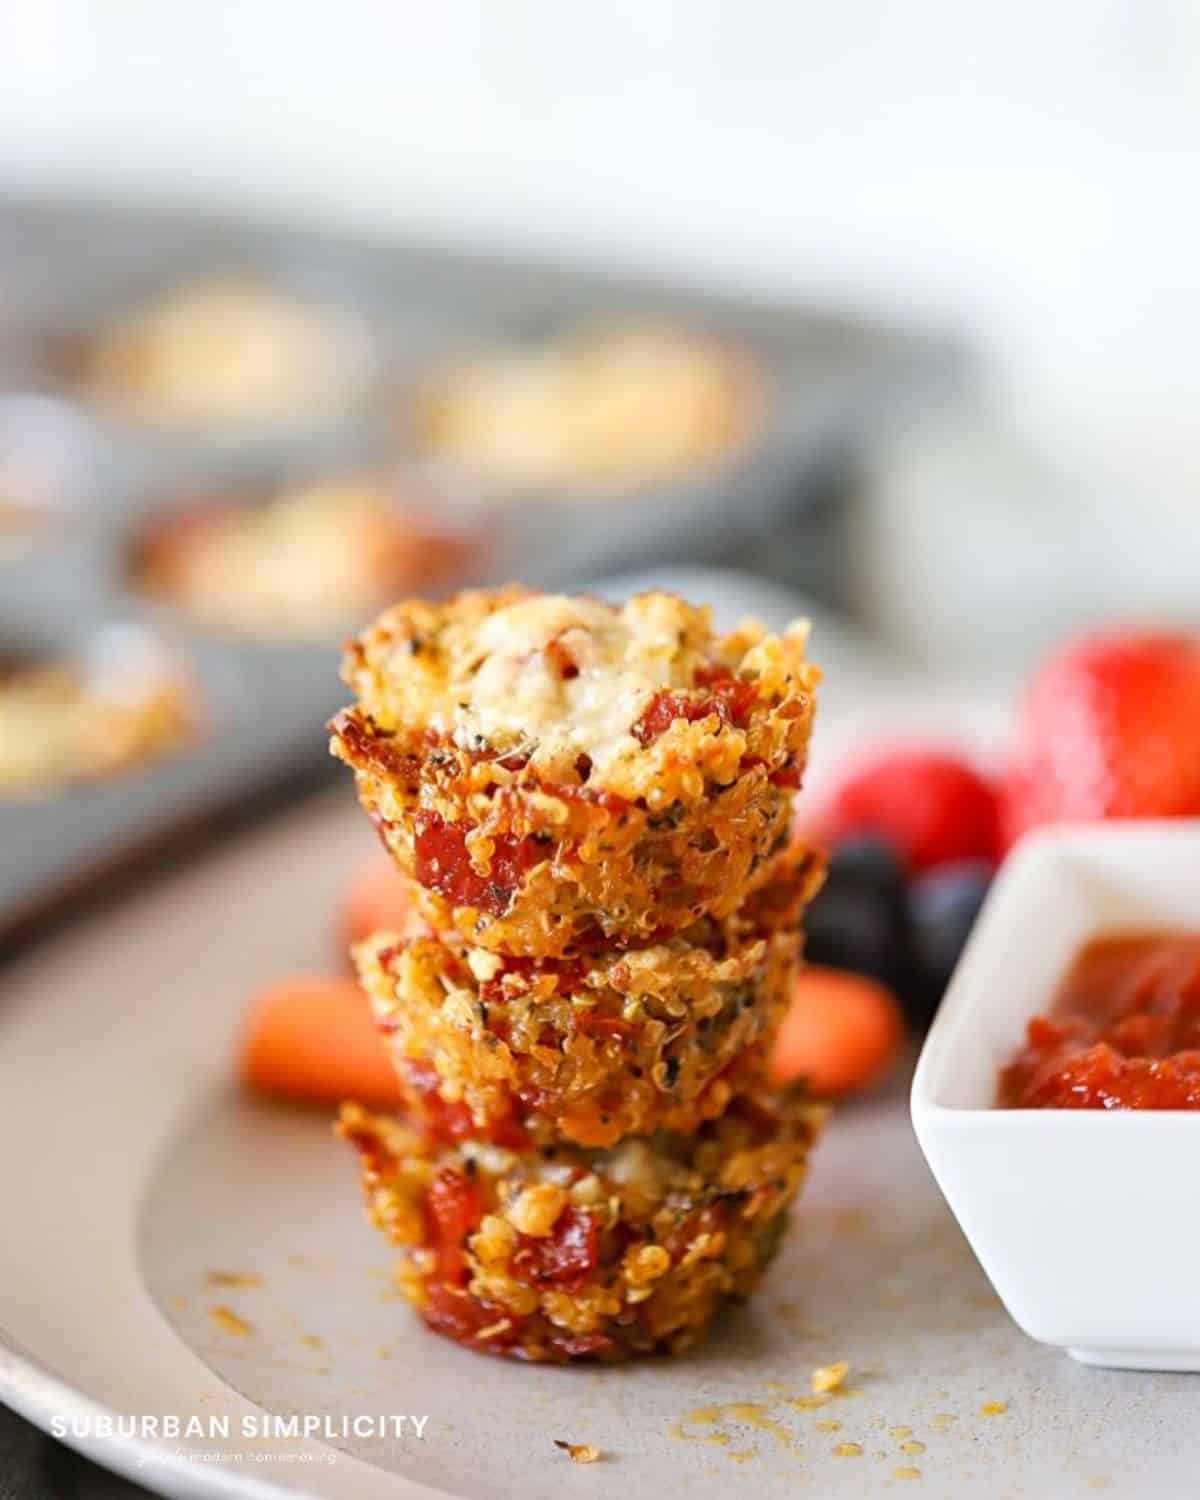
830 379
65 268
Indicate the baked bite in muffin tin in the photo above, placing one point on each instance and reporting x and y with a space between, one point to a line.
90 714
595 407
296 560
215 352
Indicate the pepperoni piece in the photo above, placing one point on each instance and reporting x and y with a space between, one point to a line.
455 1211
564 1258
448 1122
730 698
735 695
443 864
457 1315
452 1122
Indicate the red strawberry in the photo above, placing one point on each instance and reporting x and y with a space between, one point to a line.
929 806
1110 729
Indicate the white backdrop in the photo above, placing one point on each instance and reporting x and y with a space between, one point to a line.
1026 170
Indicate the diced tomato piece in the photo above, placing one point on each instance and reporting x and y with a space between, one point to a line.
564 1258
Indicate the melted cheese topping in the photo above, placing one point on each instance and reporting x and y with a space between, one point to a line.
565 676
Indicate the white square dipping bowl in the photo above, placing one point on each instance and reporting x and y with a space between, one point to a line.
1087 1222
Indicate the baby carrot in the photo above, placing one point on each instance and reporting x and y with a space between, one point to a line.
841 1032
313 1038
374 901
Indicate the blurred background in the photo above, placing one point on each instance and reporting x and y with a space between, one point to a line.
890 313
303 310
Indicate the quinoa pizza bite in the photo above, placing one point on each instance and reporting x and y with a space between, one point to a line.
568 1253
556 774
593 1048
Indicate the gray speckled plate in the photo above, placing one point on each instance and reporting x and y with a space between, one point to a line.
131 1172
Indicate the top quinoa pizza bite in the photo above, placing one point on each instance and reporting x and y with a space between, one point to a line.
556 773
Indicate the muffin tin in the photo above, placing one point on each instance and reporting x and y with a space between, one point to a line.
100 483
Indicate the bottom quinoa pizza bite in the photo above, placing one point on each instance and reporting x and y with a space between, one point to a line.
520 1050
568 1253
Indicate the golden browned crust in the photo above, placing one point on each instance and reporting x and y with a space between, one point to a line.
569 1253
589 1050
591 804
545 814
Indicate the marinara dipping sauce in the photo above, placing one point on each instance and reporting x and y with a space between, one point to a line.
1123 1031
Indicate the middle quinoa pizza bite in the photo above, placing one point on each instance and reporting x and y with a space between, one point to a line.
594 1048
556 774
567 1253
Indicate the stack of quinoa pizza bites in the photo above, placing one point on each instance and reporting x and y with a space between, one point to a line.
591 806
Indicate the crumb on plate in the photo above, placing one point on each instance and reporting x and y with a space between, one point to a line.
232 1278
829 1377
579 1453
226 1319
